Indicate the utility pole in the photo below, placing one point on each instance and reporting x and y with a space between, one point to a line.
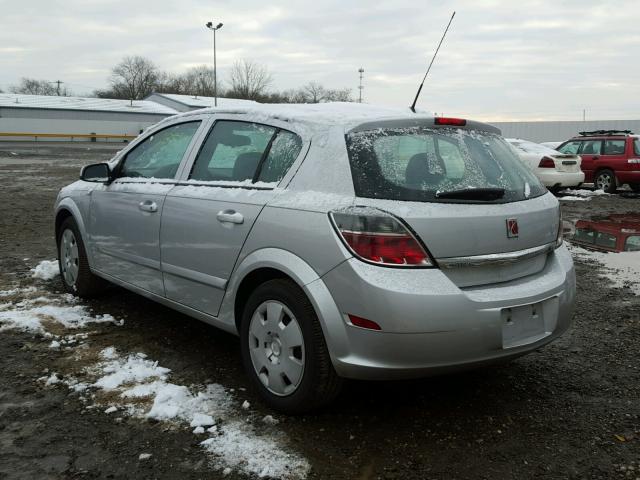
584 114
210 26
360 87
58 83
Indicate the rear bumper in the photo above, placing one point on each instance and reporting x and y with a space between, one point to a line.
431 326
552 178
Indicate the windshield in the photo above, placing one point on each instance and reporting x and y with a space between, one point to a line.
422 164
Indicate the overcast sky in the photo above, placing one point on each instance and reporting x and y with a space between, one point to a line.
502 60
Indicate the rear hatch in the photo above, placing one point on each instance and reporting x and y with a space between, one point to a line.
481 214
567 163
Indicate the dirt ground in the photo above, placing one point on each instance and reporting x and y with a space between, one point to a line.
569 410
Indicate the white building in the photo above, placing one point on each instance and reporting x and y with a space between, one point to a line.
184 103
559 131
76 116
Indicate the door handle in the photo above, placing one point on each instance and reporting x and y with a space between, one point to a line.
595 157
148 206
230 216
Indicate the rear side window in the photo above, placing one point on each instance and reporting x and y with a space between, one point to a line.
636 146
632 244
614 147
417 164
591 147
241 151
571 147
160 154
283 152
232 151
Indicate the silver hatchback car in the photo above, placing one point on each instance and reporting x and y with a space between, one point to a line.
338 241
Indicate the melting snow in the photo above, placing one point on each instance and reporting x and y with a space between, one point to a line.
623 268
46 270
582 192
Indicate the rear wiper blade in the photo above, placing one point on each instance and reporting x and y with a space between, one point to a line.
473 194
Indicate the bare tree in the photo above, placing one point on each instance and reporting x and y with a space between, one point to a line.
32 86
248 80
134 78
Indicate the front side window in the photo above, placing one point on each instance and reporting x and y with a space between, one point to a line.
160 154
591 147
614 147
232 151
425 164
571 147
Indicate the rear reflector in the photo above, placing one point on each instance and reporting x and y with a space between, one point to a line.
378 237
364 323
459 122
547 162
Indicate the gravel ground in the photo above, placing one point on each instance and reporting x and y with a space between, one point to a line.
569 410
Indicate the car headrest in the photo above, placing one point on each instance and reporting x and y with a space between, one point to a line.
245 166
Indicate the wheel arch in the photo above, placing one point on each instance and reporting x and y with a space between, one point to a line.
65 209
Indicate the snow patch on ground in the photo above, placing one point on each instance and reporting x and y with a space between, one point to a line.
573 198
28 314
623 268
145 391
583 192
46 270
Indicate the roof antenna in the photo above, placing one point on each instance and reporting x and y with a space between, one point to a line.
413 105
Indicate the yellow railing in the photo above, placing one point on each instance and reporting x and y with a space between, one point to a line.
105 136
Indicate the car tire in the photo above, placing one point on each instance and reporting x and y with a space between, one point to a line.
635 187
74 267
279 319
606 180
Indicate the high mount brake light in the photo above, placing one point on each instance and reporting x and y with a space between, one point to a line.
458 122
547 162
378 237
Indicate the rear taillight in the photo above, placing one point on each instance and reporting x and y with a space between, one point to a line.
457 122
635 162
547 162
378 237
559 235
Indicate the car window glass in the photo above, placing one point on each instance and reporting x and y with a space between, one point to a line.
591 147
632 244
606 240
160 154
232 151
284 150
614 147
571 147
585 235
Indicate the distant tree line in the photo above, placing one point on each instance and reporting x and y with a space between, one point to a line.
136 77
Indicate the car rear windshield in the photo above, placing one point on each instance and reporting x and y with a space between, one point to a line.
636 146
421 164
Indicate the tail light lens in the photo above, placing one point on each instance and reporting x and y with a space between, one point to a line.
559 235
378 237
547 162
635 163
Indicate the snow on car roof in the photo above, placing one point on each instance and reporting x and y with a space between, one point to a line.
331 113
13 100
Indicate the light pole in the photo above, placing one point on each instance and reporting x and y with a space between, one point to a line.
360 87
210 26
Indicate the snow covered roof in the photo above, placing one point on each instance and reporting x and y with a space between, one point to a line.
13 100
332 113
202 102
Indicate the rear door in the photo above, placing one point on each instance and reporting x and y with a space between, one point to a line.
614 154
590 152
124 222
207 217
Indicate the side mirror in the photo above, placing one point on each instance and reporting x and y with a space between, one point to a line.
96 172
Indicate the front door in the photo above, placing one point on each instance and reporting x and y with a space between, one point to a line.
124 222
205 223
